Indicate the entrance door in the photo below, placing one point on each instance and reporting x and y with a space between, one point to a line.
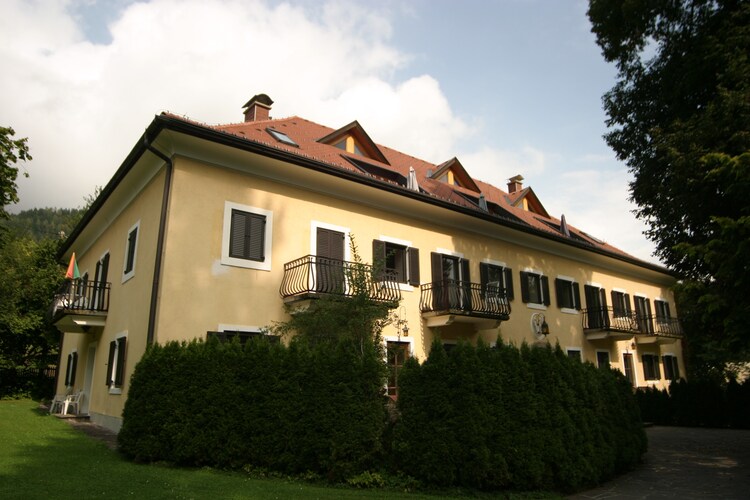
88 378
329 261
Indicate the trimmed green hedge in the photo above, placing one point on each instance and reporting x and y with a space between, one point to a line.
697 403
525 419
293 409
477 417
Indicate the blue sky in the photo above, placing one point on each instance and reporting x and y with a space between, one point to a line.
508 86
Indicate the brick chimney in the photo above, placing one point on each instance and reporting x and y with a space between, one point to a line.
515 184
257 108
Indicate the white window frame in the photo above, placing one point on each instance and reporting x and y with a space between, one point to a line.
568 310
579 350
634 358
404 287
535 305
314 225
265 264
609 356
112 370
129 274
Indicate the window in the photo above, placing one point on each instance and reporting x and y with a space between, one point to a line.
101 286
281 137
643 314
671 367
241 336
650 366
534 288
597 313
568 294
451 282
128 268
602 359
620 304
246 239
496 280
398 259
397 354
116 365
574 354
662 311
70 370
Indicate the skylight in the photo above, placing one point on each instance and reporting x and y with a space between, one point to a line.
281 137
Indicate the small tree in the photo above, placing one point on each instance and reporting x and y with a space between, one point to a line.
11 151
355 317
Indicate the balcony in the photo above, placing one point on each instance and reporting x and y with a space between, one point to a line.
450 301
605 323
312 277
80 306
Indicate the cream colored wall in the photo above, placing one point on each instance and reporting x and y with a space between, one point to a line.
129 301
199 293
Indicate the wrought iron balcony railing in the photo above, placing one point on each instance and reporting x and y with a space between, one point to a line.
81 297
606 318
465 298
312 276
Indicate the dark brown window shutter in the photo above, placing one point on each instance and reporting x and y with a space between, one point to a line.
120 361
560 291
508 282
436 260
484 273
628 309
545 290
73 368
413 256
577 295
524 287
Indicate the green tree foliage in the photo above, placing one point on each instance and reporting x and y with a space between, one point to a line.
31 276
11 152
679 115
44 223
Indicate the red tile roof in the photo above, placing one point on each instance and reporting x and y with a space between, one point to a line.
307 135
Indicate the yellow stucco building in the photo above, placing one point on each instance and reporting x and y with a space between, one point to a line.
210 229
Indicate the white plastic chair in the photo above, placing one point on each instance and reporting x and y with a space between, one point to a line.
57 402
73 402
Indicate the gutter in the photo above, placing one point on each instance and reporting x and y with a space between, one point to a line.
160 238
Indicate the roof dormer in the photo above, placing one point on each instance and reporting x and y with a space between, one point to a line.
353 139
453 173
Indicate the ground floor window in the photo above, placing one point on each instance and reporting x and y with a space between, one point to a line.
602 359
627 364
650 366
574 354
671 367
116 364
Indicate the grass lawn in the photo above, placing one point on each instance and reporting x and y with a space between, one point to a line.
44 457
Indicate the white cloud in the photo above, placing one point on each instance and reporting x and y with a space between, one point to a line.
84 105
497 165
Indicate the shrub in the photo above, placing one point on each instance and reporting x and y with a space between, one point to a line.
526 419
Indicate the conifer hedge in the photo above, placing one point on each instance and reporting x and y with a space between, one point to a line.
477 417
525 419
296 409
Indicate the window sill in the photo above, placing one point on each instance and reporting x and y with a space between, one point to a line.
115 390
534 305
567 310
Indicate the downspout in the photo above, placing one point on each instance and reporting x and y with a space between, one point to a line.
160 238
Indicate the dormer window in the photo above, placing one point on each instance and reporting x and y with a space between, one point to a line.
349 145
281 137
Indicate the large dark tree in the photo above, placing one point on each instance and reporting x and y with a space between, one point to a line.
11 152
679 117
